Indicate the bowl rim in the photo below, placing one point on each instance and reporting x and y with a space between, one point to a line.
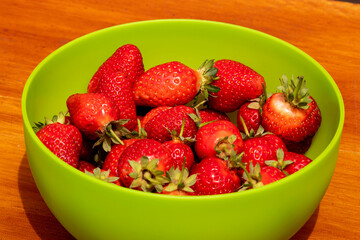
317 160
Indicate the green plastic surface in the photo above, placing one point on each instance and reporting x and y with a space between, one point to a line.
91 209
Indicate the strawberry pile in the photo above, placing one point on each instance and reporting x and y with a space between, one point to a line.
166 130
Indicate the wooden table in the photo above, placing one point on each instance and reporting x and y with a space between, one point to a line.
329 31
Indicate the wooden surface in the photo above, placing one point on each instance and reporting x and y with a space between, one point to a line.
329 31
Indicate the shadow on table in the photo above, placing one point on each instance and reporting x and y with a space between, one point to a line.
40 217
307 229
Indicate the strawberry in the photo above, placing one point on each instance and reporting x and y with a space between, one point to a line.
161 126
152 113
111 161
259 176
214 177
291 114
180 151
95 115
237 83
63 140
118 87
180 182
206 115
251 114
173 83
85 165
260 146
143 164
126 58
289 162
217 137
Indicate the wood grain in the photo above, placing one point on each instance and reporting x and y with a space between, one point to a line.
329 31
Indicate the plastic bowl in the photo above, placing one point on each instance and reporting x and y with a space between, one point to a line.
92 209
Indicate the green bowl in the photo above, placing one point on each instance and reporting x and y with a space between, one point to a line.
92 209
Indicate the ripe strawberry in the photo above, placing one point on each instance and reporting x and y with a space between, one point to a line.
260 147
63 140
142 165
85 165
111 161
126 58
180 182
95 115
214 177
180 152
173 83
259 176
291 114
152 113
237 82
118 87
161 126
251 115
206 115
218 137
289 162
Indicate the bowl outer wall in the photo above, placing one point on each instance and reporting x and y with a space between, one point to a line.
90 209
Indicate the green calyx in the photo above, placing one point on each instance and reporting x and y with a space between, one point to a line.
252 134
147 176
180 179
207 72
60 118
279 163
252 177
102 175
295 91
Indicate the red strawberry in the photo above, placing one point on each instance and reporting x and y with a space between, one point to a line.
126 58
161 126
260 147
217 137
208 115
237 82
172 84
250 113
260 176
85 165
291 114
289 162
63 140
152 113
180 182
111 161
118 87
142 165
214 177
95 115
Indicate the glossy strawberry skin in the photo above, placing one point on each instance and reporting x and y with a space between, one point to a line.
90 112
208 115
271 174
64 141
237 84
171 119
126 58
111 161
152 113
85 165
287 122
167 84
251 117
260 149
210 134
299 162
143 147
178 151
118 87
214 177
